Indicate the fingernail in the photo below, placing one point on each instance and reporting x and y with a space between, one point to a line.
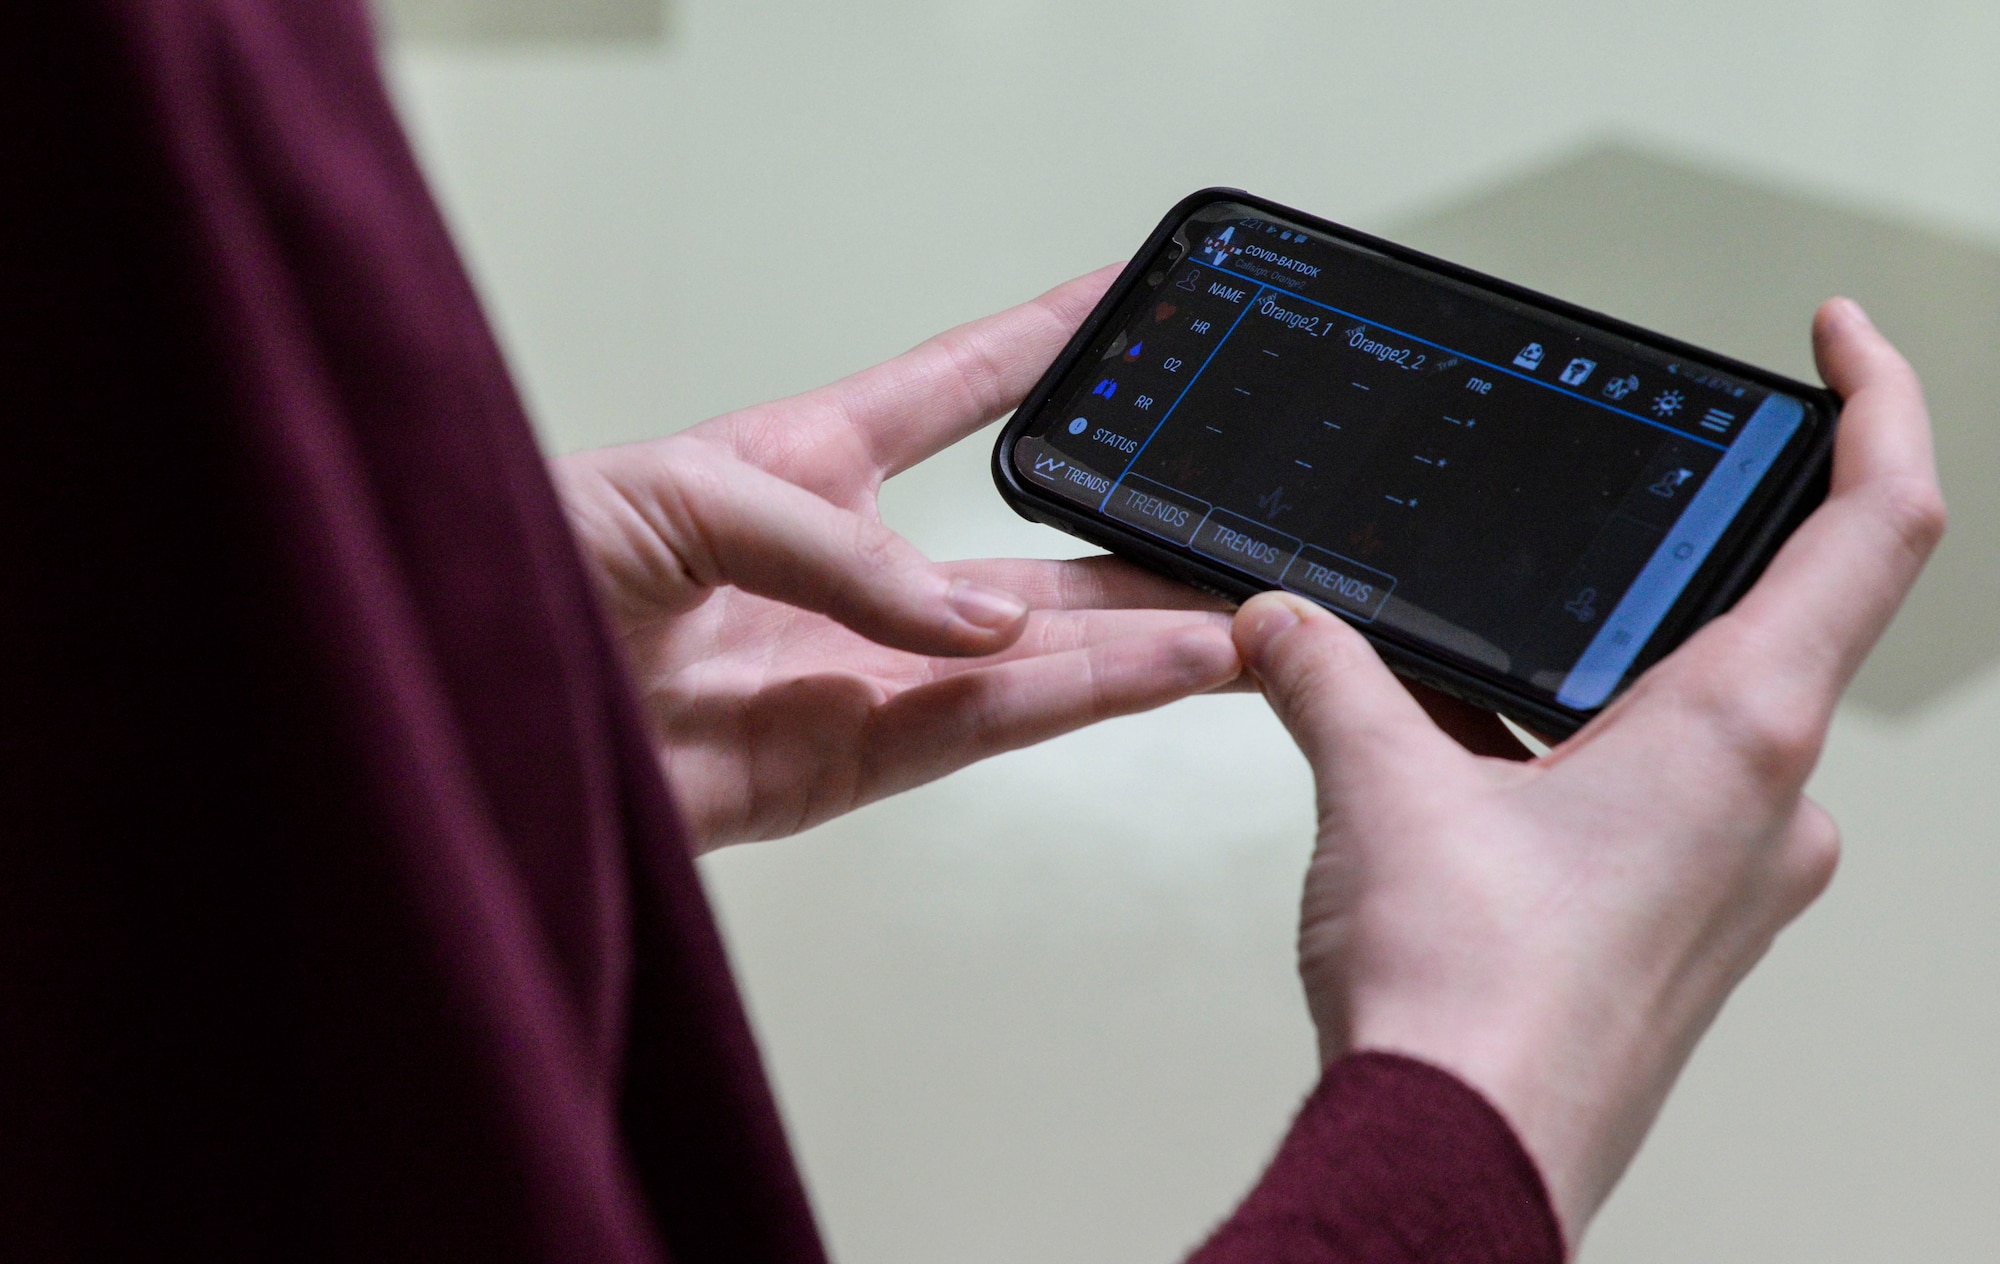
1857 312
1265 621
987 608
1205 658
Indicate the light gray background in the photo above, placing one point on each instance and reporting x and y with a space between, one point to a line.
1015 1018
524 21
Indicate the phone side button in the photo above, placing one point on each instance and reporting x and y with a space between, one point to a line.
1158 510
1339 584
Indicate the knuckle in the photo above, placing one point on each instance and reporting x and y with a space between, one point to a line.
1308 663
1774 723
1067 304
983 720
1775 732
975 370
1290 682
1079 587
1296 671
692 511
877 549
1782 741
701 482
1811 854
1914 510
1895 370
869 584
1817 853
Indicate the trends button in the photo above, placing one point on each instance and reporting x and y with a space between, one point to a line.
1339 584
1246 545
1162 511
1055 470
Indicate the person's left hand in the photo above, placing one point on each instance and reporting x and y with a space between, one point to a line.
1558 934
798 659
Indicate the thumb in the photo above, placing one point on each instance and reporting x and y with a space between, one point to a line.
1341 705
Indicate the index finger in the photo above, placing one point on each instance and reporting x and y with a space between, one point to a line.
942 390
1833 587
1102 582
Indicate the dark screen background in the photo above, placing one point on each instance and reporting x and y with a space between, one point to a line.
1461 468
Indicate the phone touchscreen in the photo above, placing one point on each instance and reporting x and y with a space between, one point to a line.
1516 491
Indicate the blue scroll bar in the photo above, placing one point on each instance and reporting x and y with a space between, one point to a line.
1665 576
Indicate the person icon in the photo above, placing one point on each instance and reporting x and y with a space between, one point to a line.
1670 483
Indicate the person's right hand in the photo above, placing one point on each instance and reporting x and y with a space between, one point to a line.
1559 933
798 659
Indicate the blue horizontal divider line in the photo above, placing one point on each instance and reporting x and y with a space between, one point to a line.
1485 364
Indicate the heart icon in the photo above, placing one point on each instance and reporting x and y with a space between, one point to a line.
1164 311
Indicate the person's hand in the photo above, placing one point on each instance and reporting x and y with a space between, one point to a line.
798 659
1559 933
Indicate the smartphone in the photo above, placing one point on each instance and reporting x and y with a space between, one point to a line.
1520 502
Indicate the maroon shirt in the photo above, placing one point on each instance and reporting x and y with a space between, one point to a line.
343 911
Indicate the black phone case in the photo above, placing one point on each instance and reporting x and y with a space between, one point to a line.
1733 567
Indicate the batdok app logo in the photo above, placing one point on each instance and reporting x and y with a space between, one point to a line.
1219 249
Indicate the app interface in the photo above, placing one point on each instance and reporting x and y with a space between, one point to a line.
1518 491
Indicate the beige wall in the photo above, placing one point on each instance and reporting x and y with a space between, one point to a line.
499 22
1015 1018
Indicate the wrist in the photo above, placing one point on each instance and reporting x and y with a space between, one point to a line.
1578 1084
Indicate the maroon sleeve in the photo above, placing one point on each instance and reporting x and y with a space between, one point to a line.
1392 1161
343 913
